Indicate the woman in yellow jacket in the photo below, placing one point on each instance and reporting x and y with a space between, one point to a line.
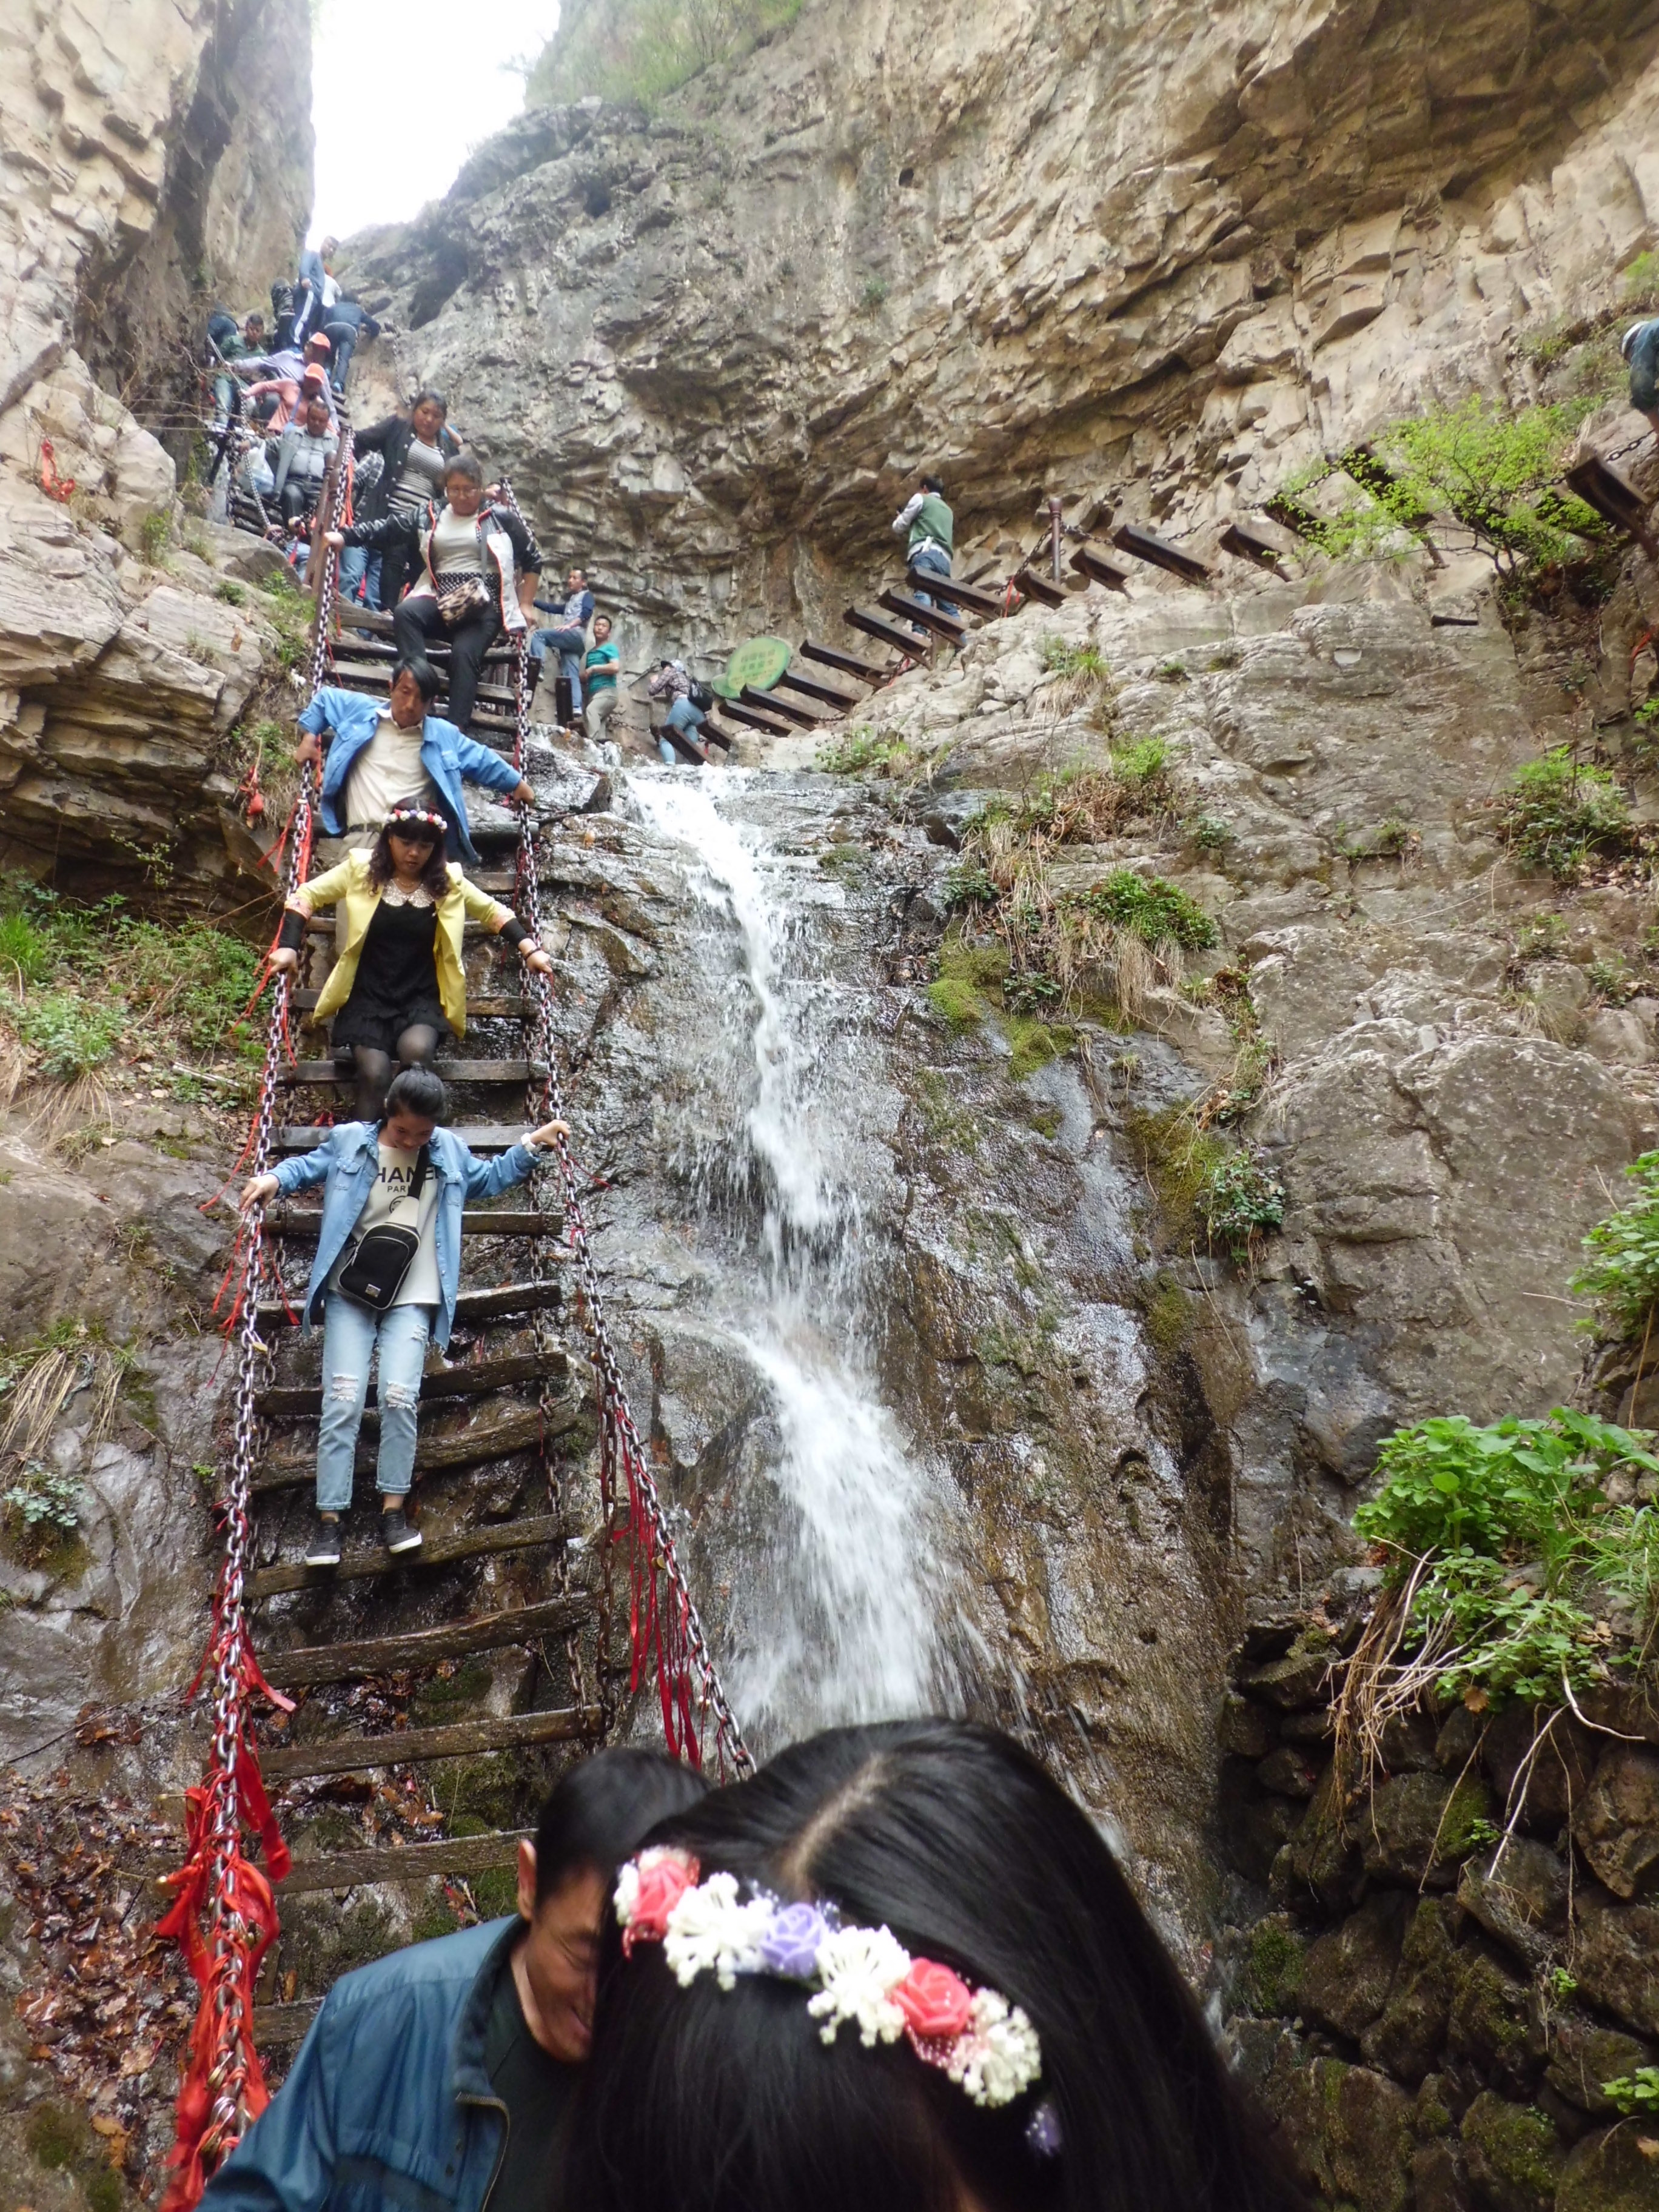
398 987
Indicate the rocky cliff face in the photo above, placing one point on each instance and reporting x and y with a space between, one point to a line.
157 159
1145 256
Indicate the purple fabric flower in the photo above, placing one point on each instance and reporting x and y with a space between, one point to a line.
790 1945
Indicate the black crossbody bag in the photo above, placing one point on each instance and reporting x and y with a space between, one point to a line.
383 1255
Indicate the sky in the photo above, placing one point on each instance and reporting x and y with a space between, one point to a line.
402 92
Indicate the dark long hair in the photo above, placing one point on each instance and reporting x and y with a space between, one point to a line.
699 2099
434 877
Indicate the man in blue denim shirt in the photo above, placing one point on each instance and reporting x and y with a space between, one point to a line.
568 636
439 2079
357 725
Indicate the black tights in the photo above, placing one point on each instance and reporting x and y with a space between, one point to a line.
416 1046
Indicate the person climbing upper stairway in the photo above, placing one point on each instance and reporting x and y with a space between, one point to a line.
374 754
386 1278
308 447
398 986
569 638
674 681
927 526
479 569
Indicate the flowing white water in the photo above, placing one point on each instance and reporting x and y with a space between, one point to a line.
845 1628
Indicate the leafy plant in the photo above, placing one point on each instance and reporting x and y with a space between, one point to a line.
1636 2092
42 1502
1558 811
1151 909
1210 833
881 750
1238 1201
232 593
968 884
72 1036
153 534
874 292
1612 979
1623 1274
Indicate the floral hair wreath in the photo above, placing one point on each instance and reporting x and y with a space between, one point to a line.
864 1975
416 814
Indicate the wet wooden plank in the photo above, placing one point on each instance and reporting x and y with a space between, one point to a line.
408 1862
974 597
849 663
950 627
829 694
305 1072
490 1541
408 1747
516 1429
423 1647
769 704
480 1137
889 632
477 1378
470 1305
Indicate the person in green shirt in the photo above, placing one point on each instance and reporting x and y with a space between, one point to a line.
599 690
927 524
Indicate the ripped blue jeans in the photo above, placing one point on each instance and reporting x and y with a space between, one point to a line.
350 1336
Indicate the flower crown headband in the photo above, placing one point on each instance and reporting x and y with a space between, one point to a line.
865 1975
416 814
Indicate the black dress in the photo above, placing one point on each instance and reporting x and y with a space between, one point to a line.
397 980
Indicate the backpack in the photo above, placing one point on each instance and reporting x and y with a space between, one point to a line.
383 1255
700 697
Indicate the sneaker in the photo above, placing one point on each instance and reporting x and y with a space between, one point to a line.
396 1532
324 1549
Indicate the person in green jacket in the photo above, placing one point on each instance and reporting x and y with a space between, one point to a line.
925 523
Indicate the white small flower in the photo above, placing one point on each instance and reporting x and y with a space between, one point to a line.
997 2055
626 1894
711 1928
857 1967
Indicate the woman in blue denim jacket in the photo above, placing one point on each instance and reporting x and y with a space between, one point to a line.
372 1178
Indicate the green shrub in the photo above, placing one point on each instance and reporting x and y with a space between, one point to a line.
1623 1275
1145 760
154 532
1149 908
232 593
72 1034
881 750
1238 1199
24 952
1558 811
1514 1486
1210 833
1637 2092
1060 659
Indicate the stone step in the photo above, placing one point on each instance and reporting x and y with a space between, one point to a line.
491 1541
974 597
1132 537
453 1071
413 1747
310 1664
483 1137
477 1378
950 629
887 633
305 1221
513 1428
849 663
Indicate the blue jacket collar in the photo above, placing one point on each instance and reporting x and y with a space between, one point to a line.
467 2077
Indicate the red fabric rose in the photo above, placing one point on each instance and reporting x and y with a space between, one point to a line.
935 2002
664 1877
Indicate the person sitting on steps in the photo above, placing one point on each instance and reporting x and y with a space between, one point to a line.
378 754
674 681
568 637
384 1302
398 986
480 568
599 674
927 526
308 447
460 2058
415 449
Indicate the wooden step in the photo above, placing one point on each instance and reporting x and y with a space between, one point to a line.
513 1428
974 597
470 1305
888 633
1089 561
849 663
949 628
769 704
422 1647
406 1862
280 2026
1611 495
485 1137
1247 541
477 1378
491 1541
304 1221
453 1071
755 717
1146 545
687 748
411 1747
1042 589
829 694
489 1006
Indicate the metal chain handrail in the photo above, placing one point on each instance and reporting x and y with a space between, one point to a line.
223 1915
671 1634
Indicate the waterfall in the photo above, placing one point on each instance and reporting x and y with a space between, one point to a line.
842 1625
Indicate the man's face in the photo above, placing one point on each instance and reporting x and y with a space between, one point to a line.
408 706
601 630
317 417
560 1956
254 331
575 581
